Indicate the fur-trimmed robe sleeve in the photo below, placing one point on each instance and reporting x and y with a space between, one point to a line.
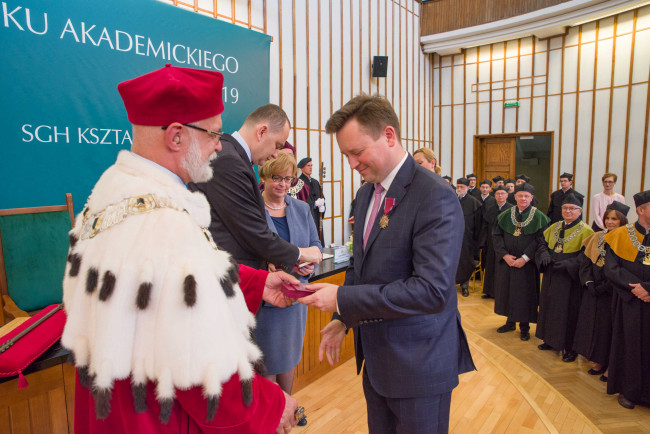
189 410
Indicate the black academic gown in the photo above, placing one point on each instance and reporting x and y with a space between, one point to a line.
555 204
516 290
593 337
471 214
475 192
314 195
490 213
483 230
561 294
629 360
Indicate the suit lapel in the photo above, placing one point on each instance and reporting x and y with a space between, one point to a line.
397 190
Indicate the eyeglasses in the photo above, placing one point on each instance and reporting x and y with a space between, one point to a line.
609 182
570 208
278 179
212 134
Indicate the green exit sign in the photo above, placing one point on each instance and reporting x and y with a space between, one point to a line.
511 104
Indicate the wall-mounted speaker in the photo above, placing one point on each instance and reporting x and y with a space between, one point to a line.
379 66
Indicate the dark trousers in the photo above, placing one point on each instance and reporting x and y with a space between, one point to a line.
428 414
523 326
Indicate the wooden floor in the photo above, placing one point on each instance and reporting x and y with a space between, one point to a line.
517 388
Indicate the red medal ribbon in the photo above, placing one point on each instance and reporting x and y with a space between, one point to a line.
390 204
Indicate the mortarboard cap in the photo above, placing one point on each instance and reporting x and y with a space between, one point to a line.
524 177
486 181
641 198
462 181
525 187
568 176
572 199
620 207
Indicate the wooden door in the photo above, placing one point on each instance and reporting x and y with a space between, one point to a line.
495 156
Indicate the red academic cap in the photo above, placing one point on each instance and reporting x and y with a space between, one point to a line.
172 94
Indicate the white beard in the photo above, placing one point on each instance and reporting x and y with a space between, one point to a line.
197 169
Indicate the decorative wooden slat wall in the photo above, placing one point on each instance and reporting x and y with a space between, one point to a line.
589 86
321 57
444 15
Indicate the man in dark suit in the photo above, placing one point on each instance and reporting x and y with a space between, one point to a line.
399 294
238 222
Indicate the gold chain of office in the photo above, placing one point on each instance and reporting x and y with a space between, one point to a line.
520 225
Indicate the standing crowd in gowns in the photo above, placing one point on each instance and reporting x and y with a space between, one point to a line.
587 287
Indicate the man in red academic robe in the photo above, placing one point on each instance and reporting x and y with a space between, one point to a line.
159 318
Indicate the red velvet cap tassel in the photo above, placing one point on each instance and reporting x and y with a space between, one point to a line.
22 381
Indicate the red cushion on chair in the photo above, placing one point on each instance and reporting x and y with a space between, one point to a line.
28 348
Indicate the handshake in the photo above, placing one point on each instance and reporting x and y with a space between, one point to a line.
320 204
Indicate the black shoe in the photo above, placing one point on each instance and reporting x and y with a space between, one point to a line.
525 336
570 356
603 378
486 296
303 421
626 403
598 372
508 327
465 292
544 347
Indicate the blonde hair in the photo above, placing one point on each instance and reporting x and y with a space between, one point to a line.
431 158
280 164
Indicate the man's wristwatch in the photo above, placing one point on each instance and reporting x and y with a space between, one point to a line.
299 413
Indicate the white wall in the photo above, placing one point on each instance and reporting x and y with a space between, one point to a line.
310 86
589 86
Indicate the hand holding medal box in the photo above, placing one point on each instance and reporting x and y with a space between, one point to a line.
297 290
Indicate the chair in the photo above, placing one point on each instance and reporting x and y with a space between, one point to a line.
33 248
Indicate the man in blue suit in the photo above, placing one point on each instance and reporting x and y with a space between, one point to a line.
399 294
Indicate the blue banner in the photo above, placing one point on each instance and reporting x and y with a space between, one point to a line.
62 117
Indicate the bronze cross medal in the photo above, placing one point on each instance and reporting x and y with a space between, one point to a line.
646 258
558 248
518 230
383 221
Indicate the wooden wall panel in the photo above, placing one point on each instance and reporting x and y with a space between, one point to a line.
320 58
444 15
590 87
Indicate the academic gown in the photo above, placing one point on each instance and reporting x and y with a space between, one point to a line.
470 207
189 410
629 360
491 211
593 335
516 290
483 230
561 292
